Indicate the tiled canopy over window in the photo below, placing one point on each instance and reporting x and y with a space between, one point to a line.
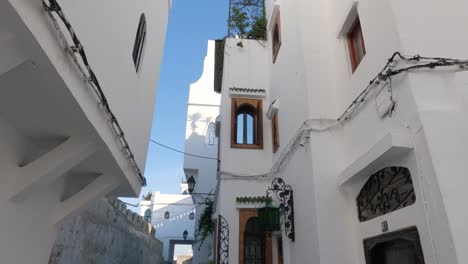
386 191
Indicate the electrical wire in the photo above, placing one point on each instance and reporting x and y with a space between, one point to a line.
181 152
321 125
74 48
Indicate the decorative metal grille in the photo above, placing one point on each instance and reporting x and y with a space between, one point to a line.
284 194
386 191
223 241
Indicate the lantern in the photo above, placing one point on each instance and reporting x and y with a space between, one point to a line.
269 217
191 184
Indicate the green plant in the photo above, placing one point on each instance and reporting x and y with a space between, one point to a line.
247 19
205 223
258 30
239 21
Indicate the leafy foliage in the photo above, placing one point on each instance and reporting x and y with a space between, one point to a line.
205 223
247 19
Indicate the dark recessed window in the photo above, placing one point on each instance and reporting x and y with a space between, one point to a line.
191 216
276 36
246 123
139 42
167 215
148 215
357 49
275 132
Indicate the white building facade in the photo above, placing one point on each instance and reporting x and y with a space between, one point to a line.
172 215
78 86
201 140
376 165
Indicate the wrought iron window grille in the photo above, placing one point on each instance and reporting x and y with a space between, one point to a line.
386 191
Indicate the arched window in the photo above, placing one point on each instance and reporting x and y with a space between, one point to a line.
254 242
276 36
139 42
148 215
210 135
386 191
191 216
246 123
167 215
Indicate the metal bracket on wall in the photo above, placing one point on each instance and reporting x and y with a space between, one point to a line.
284 194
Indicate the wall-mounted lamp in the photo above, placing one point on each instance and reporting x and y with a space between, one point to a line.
191 186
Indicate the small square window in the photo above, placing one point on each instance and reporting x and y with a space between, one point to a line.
276 36
357 49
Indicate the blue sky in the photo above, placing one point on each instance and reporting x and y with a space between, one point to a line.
191 24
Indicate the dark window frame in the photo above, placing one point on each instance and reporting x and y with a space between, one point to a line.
167 215
355 40
275 133
276 36
254 108
139 42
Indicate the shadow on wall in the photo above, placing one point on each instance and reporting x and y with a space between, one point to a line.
196 119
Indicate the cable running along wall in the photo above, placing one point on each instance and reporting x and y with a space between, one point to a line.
417 63
52 7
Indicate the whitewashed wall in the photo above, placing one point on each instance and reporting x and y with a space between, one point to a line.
312 78
202 111
179 208
107 30
59 150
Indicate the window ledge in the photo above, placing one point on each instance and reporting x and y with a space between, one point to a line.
348 20
246 146
391 145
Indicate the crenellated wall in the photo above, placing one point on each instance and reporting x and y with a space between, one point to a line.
106 232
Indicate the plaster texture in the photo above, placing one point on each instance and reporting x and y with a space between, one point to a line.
312 78
170 230
106 233
200 139
59 151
